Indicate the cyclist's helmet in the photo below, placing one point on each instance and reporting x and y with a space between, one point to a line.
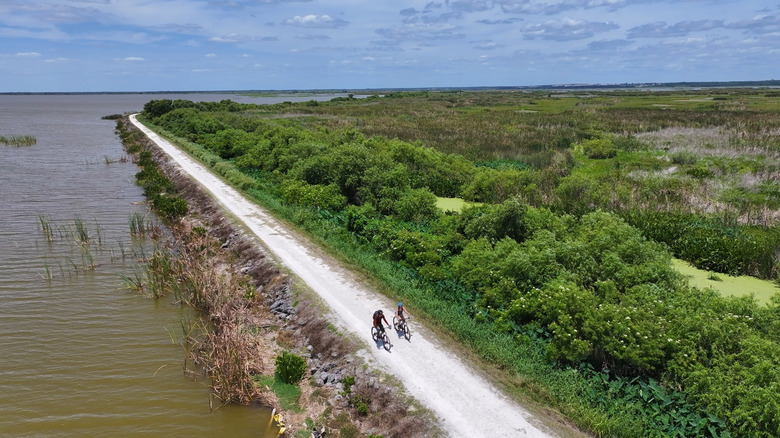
380 312
400 304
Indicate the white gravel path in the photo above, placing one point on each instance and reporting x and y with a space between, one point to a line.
466 404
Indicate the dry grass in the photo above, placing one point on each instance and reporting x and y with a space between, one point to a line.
711 141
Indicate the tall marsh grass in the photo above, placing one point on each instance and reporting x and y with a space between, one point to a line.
77 246
140 224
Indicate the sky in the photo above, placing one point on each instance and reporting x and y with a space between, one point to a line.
211 45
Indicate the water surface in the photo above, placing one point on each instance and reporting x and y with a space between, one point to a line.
80 354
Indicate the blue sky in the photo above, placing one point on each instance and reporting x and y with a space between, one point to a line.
180 45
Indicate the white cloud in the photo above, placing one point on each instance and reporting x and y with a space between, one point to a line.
28 54
422 32
566 29
239 38
316 21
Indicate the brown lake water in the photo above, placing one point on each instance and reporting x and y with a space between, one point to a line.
80 354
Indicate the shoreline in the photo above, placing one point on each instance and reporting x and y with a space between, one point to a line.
286 316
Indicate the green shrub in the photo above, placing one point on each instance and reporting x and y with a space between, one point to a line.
599 148
169 207
496 185
313 195
289 367
700 171
417 205
683 157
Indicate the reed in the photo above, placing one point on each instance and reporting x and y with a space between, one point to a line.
45 222
81 231
122 252
87 258
73 264
46 271
119 159
134 282
99 232
161 274
19 140
139 224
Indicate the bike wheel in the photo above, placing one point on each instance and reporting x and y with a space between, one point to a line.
407 331
386 342
395 323
374 334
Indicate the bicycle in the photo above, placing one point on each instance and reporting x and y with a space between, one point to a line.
403 326
385 339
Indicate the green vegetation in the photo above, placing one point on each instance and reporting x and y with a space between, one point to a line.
288 393
157 187
561 274
289 367
18 140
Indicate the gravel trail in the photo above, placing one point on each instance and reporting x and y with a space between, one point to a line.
466 404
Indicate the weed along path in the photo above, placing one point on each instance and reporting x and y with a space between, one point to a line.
466 404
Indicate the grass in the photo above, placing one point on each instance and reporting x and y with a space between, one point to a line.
137 224
19 140
288 394
82 233
134 282
45 222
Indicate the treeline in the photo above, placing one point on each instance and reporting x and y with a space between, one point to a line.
528 286
702 155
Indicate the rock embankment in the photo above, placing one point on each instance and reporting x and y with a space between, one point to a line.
340 391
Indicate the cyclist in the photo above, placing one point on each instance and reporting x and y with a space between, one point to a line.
378 317
399 312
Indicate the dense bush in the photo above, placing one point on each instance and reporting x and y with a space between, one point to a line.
416 205
497 185
601 147
580 287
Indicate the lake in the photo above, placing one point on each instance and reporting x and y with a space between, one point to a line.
82 355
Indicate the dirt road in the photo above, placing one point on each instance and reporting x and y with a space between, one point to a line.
466 404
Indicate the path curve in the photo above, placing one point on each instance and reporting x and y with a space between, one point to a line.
465 403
